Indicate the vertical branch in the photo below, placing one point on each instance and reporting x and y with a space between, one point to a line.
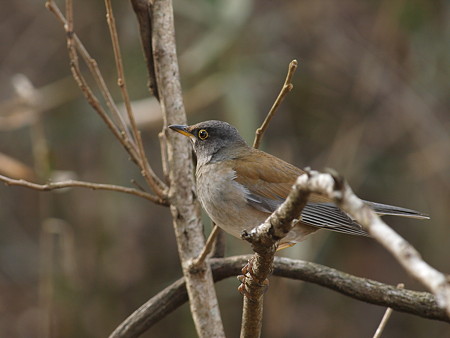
143 12
184 205
147 171
254 284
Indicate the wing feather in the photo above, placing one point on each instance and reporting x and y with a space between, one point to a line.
269 185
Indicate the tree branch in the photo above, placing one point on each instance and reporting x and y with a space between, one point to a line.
81 184
93 68
184 205
254 282
421 304
147 171
338 190
386 317
142 10
287 87
132 143
264 240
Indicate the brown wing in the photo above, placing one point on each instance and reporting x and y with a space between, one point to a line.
269 181
268 176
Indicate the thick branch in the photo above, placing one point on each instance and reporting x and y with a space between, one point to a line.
142 10
254 283
421 304
184 205
264 240
337 189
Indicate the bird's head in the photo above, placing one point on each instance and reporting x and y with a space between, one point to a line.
212 140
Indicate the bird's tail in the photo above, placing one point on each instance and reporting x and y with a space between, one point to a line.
384 209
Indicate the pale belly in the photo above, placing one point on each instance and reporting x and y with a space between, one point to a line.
224 200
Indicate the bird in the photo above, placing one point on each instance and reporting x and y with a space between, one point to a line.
239 187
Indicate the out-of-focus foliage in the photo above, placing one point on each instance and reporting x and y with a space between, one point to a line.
370 100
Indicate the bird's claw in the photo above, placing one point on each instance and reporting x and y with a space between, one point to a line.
248 274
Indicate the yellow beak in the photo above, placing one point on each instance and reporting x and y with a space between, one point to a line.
181 129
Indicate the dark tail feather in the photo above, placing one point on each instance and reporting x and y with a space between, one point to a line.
384 209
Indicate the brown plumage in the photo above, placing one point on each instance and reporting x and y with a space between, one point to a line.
239 186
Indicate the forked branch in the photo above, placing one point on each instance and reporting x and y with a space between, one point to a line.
421 304
131 142
335 188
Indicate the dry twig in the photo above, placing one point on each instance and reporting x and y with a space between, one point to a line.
148 173
287 87
132 143
386 317
93 67
207 248
81 184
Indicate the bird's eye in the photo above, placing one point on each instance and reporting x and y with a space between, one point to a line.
202 134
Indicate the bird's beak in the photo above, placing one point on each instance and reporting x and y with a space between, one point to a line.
181 129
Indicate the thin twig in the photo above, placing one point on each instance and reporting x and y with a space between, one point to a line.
93 68
207 248
287 87
85 89
137 185
157 185
386 317
136 151
81 184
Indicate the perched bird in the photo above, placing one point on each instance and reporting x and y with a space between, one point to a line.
239 186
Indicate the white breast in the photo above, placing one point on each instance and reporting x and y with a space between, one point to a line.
224 199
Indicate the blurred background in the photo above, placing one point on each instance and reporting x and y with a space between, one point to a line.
371 100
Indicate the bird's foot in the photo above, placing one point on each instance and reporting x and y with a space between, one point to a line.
247 276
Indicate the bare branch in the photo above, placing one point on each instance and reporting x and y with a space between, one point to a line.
386 317
133 145
154 182
421 304
287 87
142 10
264 240
337 189
254 283
93 67
184 205
265 236
87 92
81 184
207 248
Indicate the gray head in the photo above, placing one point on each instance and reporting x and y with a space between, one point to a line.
212 140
